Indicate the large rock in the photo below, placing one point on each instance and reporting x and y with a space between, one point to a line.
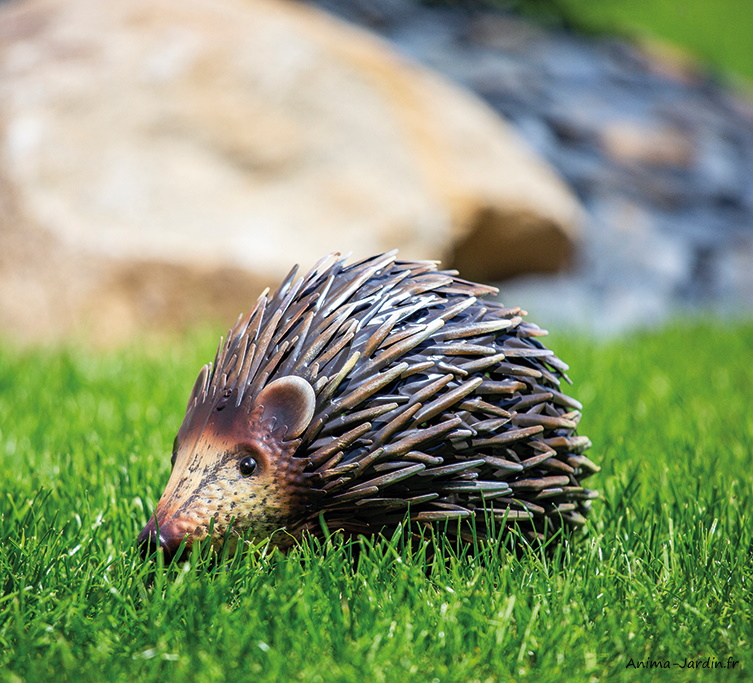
162 159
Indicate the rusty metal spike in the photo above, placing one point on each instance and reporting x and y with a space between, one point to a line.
285 286
423 389
481 487
441 515
574 444
444 366
289 325
557 466
238 374
581 461
391 465
509 437
416 368
397 422
386 480
454 468
482 363
490 426
425 458
447 400
366 415
474 329
383 504
478 405
291 363
271 366
333 446
398 335
458 307
353 495
546 421
530 400
370 387
334 382
376 338
417 437
358 276
345 336
465 288
398 350
539 483
536 460
503 465
528 353
337 477
461 349
507 386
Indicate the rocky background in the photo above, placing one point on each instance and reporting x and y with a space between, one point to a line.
658 151
163 161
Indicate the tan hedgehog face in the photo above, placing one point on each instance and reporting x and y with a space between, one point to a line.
234 470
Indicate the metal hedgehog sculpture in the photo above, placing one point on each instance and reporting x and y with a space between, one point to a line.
359 393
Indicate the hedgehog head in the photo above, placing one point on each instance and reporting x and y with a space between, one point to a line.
234 469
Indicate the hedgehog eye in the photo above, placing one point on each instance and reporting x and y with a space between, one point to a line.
247 466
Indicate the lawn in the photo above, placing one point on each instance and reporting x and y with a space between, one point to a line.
718 33
665 573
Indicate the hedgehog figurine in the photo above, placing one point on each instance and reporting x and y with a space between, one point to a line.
360 394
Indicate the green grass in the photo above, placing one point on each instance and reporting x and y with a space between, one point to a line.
719 32
665 573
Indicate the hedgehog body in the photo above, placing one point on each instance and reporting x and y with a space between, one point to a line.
357 394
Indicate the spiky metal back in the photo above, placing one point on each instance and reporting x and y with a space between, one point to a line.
426 398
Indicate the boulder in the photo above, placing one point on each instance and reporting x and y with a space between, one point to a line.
162 160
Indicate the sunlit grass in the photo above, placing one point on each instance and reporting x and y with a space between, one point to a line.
717 33
664 574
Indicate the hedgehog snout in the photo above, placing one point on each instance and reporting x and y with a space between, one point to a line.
167 539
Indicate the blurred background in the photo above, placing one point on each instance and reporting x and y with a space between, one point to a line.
163 161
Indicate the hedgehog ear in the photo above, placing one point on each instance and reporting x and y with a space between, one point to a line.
291 401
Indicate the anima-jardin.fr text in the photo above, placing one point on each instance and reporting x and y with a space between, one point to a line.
686 663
